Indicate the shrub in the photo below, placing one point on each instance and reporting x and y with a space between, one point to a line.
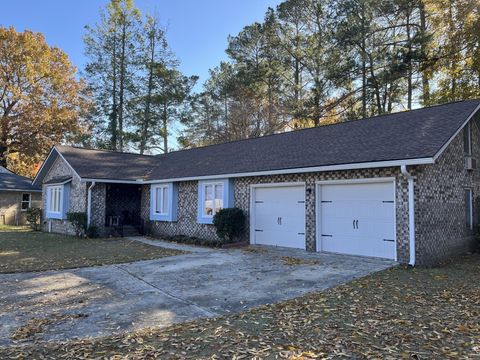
79 222
92 232
33 216
229 223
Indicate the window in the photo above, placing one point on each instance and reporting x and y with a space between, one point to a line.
26 202
161 200
212 198
54 199
467 139
469 208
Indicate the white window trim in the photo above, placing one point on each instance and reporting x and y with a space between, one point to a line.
171 209
213 184
49 199
23 202
155 203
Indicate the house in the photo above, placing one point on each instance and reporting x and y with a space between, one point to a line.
400 186
17 194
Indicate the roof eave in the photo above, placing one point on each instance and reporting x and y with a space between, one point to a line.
22 190
445 146
338 167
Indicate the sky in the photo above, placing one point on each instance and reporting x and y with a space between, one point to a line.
197 29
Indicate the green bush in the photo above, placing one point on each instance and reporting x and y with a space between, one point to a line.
230 224
79 222
33 216
92 232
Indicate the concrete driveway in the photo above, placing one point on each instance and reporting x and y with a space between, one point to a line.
97 301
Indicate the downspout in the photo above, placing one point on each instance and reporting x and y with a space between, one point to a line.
89 202
411 213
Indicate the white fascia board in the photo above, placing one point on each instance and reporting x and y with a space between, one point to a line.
442 149
378 164
113 181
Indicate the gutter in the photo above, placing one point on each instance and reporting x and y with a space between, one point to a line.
411 213
341 167
89 202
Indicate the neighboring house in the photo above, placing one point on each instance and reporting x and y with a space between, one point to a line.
399 186
17 194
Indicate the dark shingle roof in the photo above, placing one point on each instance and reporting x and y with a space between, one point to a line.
13 182
406 135
100 164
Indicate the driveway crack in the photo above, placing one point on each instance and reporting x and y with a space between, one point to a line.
169 294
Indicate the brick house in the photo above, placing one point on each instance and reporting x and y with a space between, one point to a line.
398 186
17 194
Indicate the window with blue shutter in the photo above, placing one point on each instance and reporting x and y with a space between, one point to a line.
213 195
163 202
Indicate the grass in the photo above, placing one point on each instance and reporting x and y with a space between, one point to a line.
22 251
400 313
12 228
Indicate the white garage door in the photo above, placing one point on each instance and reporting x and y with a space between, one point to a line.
358 219
278 216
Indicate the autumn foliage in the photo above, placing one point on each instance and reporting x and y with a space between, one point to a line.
41 100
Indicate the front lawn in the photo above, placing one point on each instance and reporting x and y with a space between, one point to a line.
10 228
395 314
37 251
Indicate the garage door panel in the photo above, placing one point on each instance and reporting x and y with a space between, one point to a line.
360 219
365 191
279 216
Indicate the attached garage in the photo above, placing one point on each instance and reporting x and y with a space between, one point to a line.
357 217
278 215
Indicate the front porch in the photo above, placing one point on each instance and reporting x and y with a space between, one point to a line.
116 209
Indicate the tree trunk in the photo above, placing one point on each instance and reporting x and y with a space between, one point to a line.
114 113
453 62
122 87
165 128
3 143
148 100
364 66
409 65
425 69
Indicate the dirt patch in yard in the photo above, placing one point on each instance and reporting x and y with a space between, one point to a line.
289 260
398 313
38 251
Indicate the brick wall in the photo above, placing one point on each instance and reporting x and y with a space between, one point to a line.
440 215
186 223
10 206
98 205
188 202
78 197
